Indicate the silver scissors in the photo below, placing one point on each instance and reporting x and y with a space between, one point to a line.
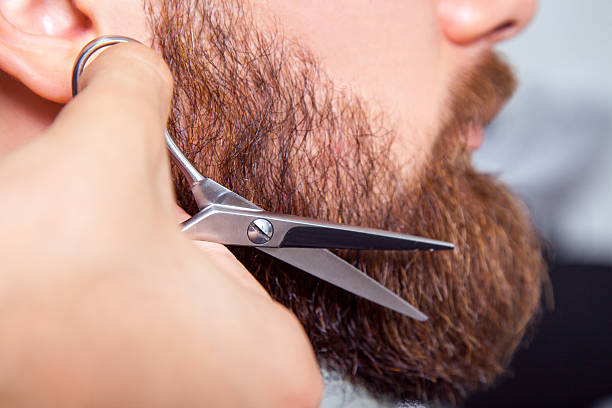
227 218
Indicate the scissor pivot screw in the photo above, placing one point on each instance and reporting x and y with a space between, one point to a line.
260 231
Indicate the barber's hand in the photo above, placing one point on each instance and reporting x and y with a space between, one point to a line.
103 301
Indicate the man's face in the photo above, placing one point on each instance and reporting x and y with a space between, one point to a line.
389 53
364 113
355 111
403 57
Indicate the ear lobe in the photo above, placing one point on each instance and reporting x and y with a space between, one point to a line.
39 41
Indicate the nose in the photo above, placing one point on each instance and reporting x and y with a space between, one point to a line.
469 21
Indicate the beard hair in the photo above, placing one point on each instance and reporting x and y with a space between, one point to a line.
254 112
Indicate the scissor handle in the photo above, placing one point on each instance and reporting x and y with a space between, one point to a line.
188 170
90 49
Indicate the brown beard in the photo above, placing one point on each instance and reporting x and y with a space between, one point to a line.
255 113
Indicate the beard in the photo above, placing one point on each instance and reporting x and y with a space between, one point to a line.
254 112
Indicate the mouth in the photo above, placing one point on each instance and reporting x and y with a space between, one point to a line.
479 97
474 136
474 129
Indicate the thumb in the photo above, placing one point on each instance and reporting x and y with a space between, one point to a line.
120 113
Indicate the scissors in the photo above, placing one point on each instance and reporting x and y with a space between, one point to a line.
227 218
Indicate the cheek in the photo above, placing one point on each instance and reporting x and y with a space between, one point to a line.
388 52
126 18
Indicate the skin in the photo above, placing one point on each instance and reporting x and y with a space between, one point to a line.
405 70
130 300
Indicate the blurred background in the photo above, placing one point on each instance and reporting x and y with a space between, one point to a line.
553 146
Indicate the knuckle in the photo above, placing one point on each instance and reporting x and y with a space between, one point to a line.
136 64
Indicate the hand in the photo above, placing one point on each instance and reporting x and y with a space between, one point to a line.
103 301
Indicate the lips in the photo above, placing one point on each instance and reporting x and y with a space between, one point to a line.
473 130
474 137
478 96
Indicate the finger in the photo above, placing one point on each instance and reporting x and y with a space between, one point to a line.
181 215
227 263
122 107
225 260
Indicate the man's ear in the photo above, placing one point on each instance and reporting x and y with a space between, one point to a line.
39 39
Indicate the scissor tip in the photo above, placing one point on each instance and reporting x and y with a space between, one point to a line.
449 246
413 313
441 246
421 317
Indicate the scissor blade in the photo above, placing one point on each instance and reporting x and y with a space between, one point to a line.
207 192
231 224
325 265
324 235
